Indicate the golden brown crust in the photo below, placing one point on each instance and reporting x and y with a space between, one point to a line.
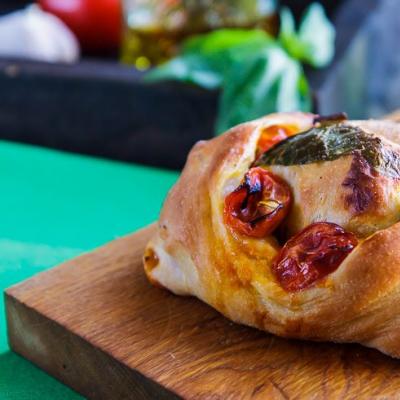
199 255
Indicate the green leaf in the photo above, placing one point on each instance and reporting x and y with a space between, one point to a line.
289 38
268 82
287 24
191 68
318 32
314 43
330 142
225 40
257 73
206 58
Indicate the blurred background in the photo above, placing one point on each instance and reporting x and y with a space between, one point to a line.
124 79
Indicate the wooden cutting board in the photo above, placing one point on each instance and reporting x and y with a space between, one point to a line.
96 324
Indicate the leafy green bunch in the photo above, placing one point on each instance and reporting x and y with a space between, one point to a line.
257 73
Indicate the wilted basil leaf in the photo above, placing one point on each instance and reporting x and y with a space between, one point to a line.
327 143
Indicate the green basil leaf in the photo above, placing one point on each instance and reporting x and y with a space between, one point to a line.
319 34
268 82
258 74
225 40
315 39
190 69
287 23
289 38
206 58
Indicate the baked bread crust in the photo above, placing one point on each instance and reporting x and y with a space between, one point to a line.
195 253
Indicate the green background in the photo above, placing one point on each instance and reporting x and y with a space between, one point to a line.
54 206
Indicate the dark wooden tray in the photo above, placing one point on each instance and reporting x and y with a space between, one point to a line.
102 108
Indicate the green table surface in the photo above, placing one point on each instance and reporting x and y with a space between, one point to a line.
54 206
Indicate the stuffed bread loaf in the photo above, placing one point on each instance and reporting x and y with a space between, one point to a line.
289 223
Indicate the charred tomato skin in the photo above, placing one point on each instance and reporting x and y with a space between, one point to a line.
312 254
258 206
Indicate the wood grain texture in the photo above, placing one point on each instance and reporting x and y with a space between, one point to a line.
96 324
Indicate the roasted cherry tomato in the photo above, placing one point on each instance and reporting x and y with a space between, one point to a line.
259 204
96 23
312 254
272 135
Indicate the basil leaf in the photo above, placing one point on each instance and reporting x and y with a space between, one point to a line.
314 41
331 142
288 36
257 73
319 34
206 58
191 68
267 82
225 40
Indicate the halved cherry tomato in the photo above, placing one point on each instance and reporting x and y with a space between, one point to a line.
312 254
271 135
259 204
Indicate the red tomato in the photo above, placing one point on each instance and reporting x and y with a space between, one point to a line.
272 135
96 23
258 205
312 254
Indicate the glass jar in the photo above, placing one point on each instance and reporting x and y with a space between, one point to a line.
154 29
